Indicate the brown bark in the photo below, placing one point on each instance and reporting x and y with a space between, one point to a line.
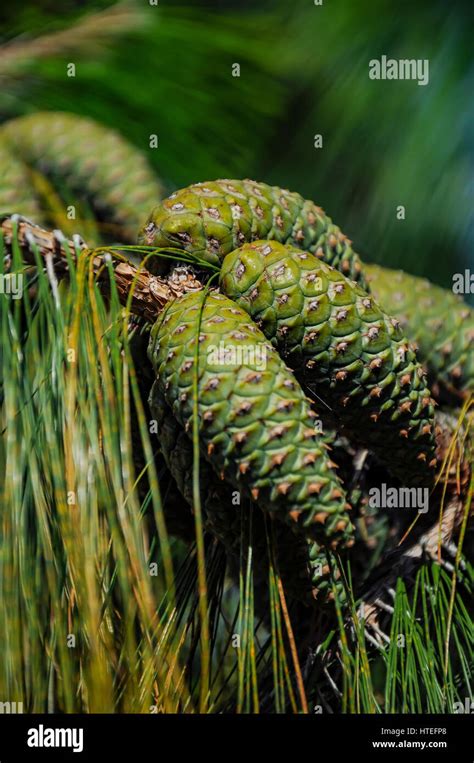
150 293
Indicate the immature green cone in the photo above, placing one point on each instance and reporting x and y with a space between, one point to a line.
178 518
16 196
302 564
255 424
339 342
211 219
88 159
440 323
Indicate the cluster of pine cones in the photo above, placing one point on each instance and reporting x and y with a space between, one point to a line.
291 347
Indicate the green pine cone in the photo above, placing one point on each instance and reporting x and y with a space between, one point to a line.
302 564
15 187
440 323
339 342
91 160
255 424
178 518
211 219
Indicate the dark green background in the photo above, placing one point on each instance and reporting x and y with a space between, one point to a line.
304 70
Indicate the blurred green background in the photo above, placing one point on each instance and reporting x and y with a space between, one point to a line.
166 69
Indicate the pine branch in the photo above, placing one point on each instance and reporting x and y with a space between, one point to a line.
150 293
450 501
